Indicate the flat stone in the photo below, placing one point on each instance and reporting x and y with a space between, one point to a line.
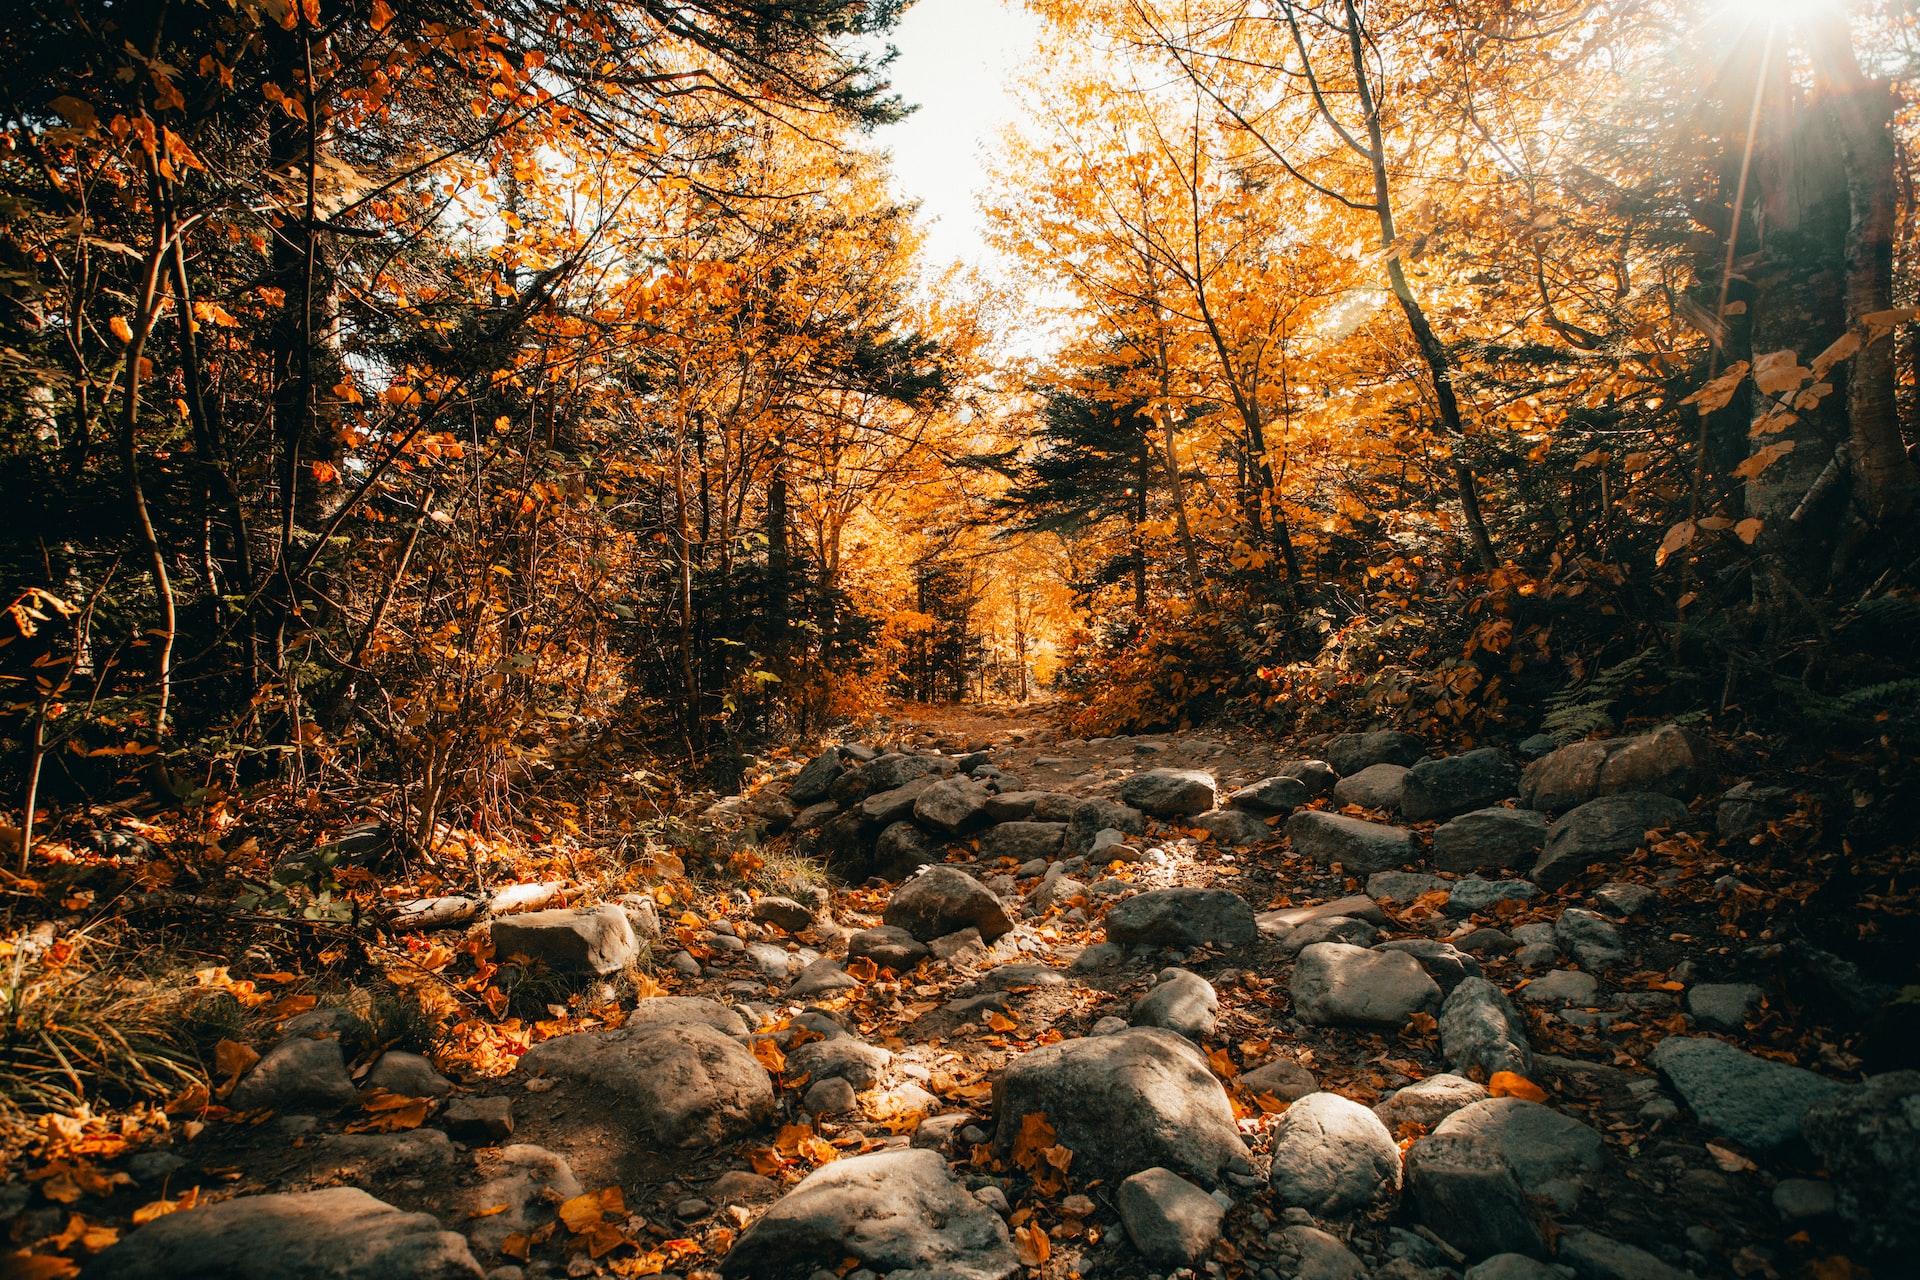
952 804
1479 1027
1485 942
1404 886
1723 1006
1329 929
1169 793
813 817
960 947
409 1075
1551 1154
787 914
939 900
1349 753
1278 794
823 977
1561 988
1458 784
1182 1002
310 1235
683 1084
379 1156
675 1010
738 1186
1357 906
895 804
1170 1221
888 947
1626 899
1184 916
1375 787
1463 1189
1473 895
1285 1080
1869 1139
1755 1101
569 939
1445 963
1023 841
860 1064
1492 839
897 1212
1234 828
1362 847
1603 831
1804 1199
1334 982
1428 1102
1596 1257
297 1074
478 1121
1331 1156
1138 1099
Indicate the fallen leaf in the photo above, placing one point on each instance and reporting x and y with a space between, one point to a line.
1510 1084
768 1054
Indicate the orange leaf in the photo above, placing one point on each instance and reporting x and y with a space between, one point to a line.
768 1054
1509 1084
121 329
160 1208
1000 1022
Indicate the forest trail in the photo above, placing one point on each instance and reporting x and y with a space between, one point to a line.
1172 952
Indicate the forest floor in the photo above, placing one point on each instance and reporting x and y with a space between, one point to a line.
1638 1183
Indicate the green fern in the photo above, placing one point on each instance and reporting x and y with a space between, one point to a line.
1580 710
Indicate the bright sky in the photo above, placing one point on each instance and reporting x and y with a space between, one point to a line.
955 59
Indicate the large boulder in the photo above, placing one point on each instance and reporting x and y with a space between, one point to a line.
1278 794
1377 786
939 900
1551 1154
952 804
1458 784
1869 1140
1335 982
1669 761
1138 1099
1489 840
893 1211
1331 1156
1184 916
1604 831
1479 1027
569 939
340 1233
1755 1101
1464 1190
683 1084
1182 1002
1362 847
1170 1221
1091 817
1349 753
1169 793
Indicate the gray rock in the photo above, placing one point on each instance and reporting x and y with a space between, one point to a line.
409 1075
1479 1027
829 1097
1098 958
1362 847
1021 977
1142 1098
1334 982
1485 942
1746 809
813 817
737 1186
1537 955
961 947
297 1074
154 1166
678 1010
1090 817
1805 1199
774 963
1534 747
1670 760
1754 1101
889 947
1109 1026
860 1064
1428 1102
1723 1006
1375 787
569 939
1329 929
1603 831
887 772
1464 1190
1278 794
897 803
953 804
478 1122
1349 753
901 848
1234 828
1170 1221
783 912
1182 1002
1309 1253
1404 886
1358 906
1589 937
1183 917
1457 784
1561 988
1869 1139
895 1211
1445 963
1023 841
1317 776
1625 899
1551 1154
1489 840
939 900
1516 1266
1169 793
1331 1156
1596 1257
823 977
1285 1080
1563 779
1474 894
1012 806
311 1235
378 1156
810 785
1056 888
682 1083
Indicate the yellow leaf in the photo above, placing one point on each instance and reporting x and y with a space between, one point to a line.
1509 1084
160 1208
1677 537
1779 371
1718 392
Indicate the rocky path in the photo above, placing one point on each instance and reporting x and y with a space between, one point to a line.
1131 1007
